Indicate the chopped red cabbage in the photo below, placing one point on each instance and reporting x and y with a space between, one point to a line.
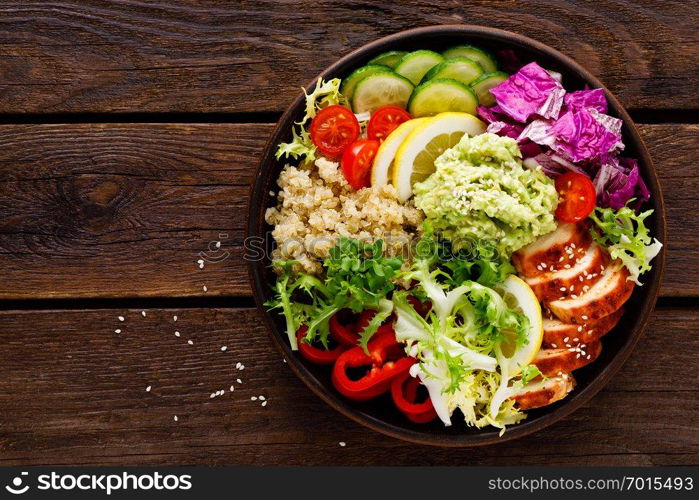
586 99
530 91
581 136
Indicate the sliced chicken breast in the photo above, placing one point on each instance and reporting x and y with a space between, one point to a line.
572 279
544 392
560 247
604 297
558 334
551 362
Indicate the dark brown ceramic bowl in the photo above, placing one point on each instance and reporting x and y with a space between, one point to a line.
380 414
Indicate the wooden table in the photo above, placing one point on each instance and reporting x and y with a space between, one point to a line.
130 132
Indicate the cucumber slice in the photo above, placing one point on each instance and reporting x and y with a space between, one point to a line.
482 57
486 82
461 69
381 89
390 59
350 83
414 65
437 96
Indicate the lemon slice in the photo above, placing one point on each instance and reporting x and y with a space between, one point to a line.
382 171
415 157
520 297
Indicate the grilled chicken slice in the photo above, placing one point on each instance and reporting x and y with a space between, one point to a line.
558 334
562 246
544 392
602 299
575 279
551 362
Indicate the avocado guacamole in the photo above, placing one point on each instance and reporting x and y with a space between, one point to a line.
481 192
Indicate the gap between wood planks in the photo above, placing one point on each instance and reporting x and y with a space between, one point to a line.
641 115
224 301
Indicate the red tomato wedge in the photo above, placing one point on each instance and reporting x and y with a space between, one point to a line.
385 120
576 195
333 129
357 161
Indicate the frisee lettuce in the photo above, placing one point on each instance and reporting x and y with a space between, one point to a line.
458 342
626 237
357 277
301 147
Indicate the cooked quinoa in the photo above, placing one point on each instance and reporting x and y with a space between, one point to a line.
317 206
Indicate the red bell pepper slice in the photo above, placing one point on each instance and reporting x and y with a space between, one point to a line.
342 331
422 308
314 354
386 360
404 393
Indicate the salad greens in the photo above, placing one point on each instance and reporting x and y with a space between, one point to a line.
301 147
456 344
358 277
626 237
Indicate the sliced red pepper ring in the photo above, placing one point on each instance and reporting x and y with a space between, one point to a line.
361 377
404 392
342 330
422 308
317 355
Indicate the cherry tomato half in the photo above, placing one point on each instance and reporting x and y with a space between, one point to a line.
357 161
385 120
333 129
576 195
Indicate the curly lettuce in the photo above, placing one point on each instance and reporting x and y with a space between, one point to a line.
626 237
301 147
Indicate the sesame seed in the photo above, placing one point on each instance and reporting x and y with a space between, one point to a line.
580 328
264 403
262 398
223 348
343 444
589 356
148 389
121 318
561 259
239 381
190 342
213 395
577 356
563 289
205 288
237 365
242 367
175 418
232 388
580 278
177 334
544 265
253 398
117 330
201 263
584 317
143 313
218 244
572 245
567 266
174 318
576 339
566 339
574 296
571 288
554 345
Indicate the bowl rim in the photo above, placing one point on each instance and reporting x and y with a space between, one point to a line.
255 224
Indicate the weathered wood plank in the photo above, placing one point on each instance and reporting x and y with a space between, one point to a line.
121 210
124 56
74 392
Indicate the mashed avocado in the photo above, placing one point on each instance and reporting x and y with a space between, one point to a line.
481 192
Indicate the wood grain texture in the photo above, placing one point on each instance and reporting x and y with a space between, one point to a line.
252 56
94 383
118 210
